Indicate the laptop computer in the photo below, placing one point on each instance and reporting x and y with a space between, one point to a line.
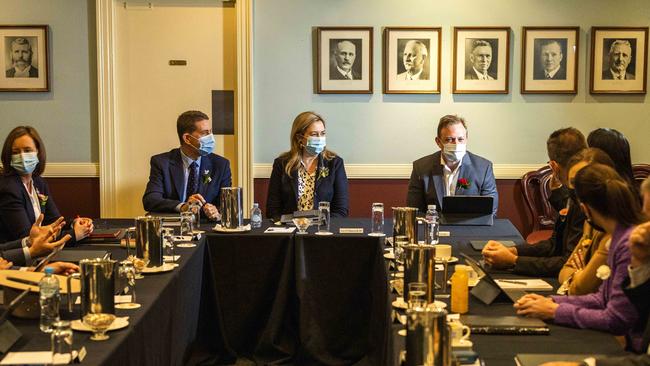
467 210
487 289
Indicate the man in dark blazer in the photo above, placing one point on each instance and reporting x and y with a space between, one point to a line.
342 68
191 173
546 258
21 58
441 174
548 65
620 56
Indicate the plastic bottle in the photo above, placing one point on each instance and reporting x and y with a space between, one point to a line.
459 291
433 224
49 299
256 216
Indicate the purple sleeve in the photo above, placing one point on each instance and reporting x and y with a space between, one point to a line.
615 315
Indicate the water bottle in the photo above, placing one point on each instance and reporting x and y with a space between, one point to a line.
256 216
432 224
49 299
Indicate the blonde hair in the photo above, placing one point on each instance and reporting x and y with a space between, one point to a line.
300 124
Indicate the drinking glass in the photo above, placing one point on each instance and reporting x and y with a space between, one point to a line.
195 209
187 219
99 324
417 293
302 223
61 342
400 242
324 218
126 274
377 219
168 243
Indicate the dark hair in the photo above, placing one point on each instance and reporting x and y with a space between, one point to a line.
186 122
591 155
450 120
564 143
17 132
617 147
602 189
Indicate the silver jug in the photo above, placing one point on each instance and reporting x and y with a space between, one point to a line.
97 278
232 215
427 337
419 266
405 223
149 240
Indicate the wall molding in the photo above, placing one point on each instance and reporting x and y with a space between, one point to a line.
244 102
403 171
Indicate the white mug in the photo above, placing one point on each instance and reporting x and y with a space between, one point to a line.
443 251
459 332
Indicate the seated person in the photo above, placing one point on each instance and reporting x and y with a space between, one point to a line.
437 175
307 174
24 194
578 275
645 194
610 206
617 147
547 257
191 173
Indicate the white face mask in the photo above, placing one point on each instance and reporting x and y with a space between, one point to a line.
454 152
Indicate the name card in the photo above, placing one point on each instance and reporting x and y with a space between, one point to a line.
443 233
351 230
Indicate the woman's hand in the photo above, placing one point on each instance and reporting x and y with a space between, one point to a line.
5 264
63 268
536 306
83 227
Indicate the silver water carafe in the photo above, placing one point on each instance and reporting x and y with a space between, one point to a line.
232 215
428 340
419 266
405 223
97 278
149 240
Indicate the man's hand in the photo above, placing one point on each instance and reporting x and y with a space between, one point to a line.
63 268
83 227
536 306
640 245
211 212
498 256
37 230
196 198
41 242
5 264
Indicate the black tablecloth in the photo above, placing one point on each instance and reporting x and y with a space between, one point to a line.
161 332
303 299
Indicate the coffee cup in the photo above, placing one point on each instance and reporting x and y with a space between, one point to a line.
443 251
459 333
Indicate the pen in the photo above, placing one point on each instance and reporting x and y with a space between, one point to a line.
514 282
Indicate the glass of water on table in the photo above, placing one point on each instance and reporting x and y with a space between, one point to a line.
377 219
187 230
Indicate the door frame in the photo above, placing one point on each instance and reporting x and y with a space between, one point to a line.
107 105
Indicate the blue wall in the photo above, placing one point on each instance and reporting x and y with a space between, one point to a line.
378 128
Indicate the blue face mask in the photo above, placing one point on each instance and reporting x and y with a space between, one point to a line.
315 145
206 144
24 163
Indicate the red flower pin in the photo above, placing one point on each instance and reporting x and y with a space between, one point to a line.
463 183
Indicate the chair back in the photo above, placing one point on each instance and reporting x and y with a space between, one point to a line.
641 172
536 189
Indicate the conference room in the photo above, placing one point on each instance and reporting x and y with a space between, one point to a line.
300 182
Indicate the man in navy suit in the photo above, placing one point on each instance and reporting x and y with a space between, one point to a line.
191 173
451 171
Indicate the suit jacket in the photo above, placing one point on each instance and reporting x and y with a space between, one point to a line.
471 75
423 76
336 75
539 74
607 75
546 258
427 183
331 187
167 180
16 211
33 72
13 252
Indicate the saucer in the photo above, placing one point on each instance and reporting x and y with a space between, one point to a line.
389 256
450 260
400 304
160 269
242 229
118 323
376 234
325 233
463 344
186 245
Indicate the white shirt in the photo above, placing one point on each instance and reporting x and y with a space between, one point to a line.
450 177
551 74
617 76
36 205
414 76
346 74
482 76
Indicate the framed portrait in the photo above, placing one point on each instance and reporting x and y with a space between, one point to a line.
481 60
618 60
549 60
344 60
411 60
24 58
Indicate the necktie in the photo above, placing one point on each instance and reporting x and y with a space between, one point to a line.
191 180
548 76
349 75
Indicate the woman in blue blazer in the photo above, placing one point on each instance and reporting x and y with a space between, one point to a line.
307 174
24 195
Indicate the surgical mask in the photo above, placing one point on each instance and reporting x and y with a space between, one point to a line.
24 163
454 152
315 145
206 144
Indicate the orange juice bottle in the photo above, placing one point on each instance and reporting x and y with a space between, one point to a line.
459 291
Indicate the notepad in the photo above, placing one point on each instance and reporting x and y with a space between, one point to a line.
280 230
531 284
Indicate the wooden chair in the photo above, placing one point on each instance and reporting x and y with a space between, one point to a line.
536 189
641 172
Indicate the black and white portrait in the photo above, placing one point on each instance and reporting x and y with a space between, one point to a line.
346 59
481 58
549 62
413 59
21 57
618 59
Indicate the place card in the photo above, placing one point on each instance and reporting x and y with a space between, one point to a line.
444 233
280 230
351 230
28 358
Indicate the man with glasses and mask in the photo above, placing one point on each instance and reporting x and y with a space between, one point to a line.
451 171
191 173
